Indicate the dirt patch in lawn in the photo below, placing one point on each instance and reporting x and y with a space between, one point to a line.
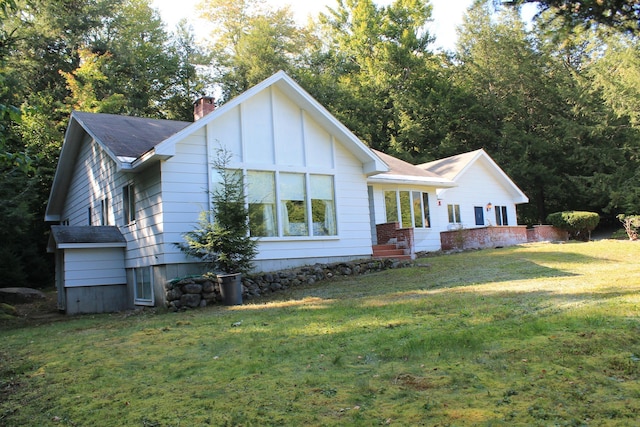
40 311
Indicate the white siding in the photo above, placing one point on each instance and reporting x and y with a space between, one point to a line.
94 267
147 230
185 190
276 135
91 183
477 186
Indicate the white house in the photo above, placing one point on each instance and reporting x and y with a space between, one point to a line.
126 189
484 194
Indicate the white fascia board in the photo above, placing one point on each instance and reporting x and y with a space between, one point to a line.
412 180
371 163
91 245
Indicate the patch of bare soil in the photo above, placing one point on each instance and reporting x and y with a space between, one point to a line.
38 312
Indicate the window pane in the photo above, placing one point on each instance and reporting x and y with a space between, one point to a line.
144 291
128 204
405 209
425 205
262 204
293 202
504 216
457 212
498 216
417 209
391 204
323 211
450 212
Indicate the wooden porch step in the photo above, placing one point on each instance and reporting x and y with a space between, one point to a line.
398 257
386 247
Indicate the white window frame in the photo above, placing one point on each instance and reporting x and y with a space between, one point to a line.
311 232
425 224
141 300
452 209
129 204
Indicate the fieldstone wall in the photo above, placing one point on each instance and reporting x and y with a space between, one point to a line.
200 291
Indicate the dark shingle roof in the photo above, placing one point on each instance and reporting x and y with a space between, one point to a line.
106 234
128 136
400 167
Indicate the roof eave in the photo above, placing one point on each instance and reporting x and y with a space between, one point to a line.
401 179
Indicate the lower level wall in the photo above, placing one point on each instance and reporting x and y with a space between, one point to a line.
96 299
546 233
491 237
483 237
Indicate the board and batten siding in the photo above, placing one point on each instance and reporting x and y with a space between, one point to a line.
268 132
478 186
94 267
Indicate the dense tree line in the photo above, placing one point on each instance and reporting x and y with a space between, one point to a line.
556 103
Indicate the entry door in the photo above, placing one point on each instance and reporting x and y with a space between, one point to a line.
479 215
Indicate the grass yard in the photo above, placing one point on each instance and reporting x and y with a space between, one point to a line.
535 335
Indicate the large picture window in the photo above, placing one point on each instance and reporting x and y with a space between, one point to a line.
409 208
306 204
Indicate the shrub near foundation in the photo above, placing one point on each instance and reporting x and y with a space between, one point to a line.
578 224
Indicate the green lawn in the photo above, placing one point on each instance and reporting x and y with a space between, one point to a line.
536 335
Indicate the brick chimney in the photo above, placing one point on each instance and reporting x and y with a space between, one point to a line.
203 106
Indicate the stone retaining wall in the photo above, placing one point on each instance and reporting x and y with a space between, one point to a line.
200 291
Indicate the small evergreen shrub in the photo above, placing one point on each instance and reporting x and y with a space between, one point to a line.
221 237
578 224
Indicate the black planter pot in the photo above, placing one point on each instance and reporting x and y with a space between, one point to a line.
230 288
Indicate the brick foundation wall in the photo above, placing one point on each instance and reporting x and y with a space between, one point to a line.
484 237
386 232
546 233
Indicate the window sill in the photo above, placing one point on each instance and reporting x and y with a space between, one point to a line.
297 238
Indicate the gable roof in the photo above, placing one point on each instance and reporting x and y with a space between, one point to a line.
126 137
371 163
401 172
123 138
134 142
455 166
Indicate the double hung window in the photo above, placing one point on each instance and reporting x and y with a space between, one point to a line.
454 214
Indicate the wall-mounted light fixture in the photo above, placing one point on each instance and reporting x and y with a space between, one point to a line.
489 206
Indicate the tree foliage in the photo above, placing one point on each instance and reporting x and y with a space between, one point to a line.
620 14
555 103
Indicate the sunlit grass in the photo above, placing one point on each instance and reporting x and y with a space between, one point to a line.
535 335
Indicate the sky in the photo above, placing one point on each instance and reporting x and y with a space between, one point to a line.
447 15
